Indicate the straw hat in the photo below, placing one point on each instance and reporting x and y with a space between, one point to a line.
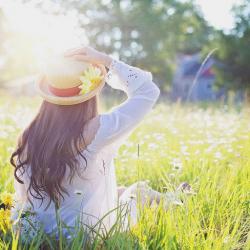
61 82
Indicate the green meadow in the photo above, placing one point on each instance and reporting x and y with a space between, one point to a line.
207 147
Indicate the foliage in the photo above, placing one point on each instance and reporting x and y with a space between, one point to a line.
233 50
144 33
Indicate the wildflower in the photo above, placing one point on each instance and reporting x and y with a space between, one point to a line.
5 219
176 163
7 199
153 146
218 155
2 214
226 240
186 189
177 197
91 78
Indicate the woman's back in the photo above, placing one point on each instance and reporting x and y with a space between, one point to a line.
91 192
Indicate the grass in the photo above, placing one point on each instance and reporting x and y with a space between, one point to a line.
209 148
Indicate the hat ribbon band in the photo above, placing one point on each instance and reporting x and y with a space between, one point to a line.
65 92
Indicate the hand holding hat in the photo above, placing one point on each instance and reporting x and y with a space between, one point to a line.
75 77
88 54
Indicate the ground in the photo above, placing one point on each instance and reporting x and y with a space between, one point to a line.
206 147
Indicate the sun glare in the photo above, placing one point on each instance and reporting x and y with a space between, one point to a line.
41 33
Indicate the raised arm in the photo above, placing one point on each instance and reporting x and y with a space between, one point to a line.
142 93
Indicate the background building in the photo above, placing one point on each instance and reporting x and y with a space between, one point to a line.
185 85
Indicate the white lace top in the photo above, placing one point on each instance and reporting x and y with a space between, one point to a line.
94 195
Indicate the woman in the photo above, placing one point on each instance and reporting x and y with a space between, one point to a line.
64 158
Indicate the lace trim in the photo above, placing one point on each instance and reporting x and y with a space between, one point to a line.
130 76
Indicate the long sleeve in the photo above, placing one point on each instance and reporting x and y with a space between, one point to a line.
142 93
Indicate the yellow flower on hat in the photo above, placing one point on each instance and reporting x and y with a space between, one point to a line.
90 79
7 199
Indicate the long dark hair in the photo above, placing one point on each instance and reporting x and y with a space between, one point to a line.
49 146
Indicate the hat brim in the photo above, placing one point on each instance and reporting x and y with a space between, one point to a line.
45 93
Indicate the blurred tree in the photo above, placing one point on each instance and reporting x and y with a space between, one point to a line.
146 33
234 50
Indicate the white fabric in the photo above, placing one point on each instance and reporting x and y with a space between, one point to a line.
95 193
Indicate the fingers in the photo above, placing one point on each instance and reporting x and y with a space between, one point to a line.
81 58
83 54
76 51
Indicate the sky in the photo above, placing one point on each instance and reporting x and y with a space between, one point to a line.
217 12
